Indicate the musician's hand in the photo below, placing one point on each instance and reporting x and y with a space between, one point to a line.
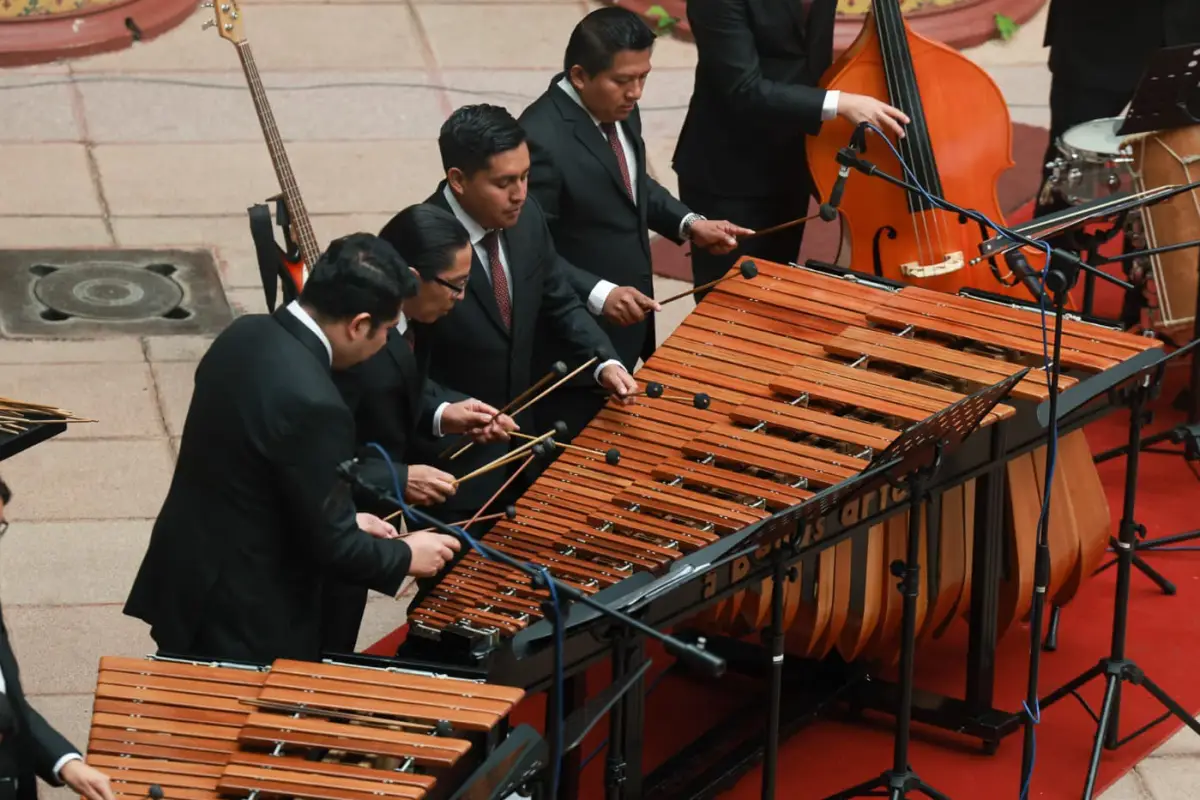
717 236
625 305
466 415
497 431
375 526
860 108
430 552
428 486
619 382
86 780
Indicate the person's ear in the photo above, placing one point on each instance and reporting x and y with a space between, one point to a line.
457 180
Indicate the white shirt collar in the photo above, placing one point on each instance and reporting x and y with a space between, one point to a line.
566 86
299 313
474 229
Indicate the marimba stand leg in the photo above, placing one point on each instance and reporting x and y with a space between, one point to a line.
779 576
897 782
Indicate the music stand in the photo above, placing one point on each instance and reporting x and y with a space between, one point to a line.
1167 96
1115 667
919 451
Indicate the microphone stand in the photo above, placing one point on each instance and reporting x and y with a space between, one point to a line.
556 613
1063 270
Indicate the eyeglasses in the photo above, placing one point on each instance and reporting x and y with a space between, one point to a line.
456 288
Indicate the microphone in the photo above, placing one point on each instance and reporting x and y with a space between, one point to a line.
1019 265
858 144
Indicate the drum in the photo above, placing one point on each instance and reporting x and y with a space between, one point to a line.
1165 158
1092 163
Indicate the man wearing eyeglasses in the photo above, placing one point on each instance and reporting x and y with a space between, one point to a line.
29 747
392 399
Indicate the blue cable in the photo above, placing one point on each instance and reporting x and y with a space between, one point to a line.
1034 714
559 677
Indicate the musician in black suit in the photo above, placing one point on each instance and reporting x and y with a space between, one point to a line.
391 398
740 154
589 176
484 347
29 747
1098 52
255 519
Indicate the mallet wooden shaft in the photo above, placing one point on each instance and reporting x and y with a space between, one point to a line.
511 456
559 382
453 454
564 445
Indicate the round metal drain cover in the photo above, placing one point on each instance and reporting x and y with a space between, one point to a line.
108 291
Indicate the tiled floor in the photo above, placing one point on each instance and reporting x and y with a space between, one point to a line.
158 146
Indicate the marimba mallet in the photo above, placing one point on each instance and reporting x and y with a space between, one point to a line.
513 455
612 456
508 513
747 270
600 356
557 371
657 391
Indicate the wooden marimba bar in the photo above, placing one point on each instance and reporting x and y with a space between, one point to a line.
296 730
809 375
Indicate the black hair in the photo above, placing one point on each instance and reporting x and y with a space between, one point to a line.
602 34
5 493
358 274
427 237
473 134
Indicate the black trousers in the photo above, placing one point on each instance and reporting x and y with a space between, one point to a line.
342 607
1071 104
755 213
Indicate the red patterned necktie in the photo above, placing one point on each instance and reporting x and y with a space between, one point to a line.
499 280
614 141
410 338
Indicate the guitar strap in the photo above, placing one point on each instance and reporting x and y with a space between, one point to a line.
270 259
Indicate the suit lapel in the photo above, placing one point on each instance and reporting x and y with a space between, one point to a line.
406 362
795 10
307 338
590 137
633 129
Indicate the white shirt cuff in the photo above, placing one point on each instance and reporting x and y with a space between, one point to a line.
62 762
829 109
601 368
437 420
599 296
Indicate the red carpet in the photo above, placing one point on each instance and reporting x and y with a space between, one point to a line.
1164 639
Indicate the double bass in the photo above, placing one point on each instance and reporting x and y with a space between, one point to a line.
957 144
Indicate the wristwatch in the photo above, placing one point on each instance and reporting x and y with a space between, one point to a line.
686 226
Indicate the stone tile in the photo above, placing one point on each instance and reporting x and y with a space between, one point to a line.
308 106
54 179
670 53
664 103
672 313
229 236
42 351
223 179
120 397
514 36
176 348
1024 48
34 232
659 153
247 301
381 616
71 563
37 108
1184 743
514 89
1031 115
1169 778
70 715
63 479
1128 787
1024 84
310 36
175 381
66 663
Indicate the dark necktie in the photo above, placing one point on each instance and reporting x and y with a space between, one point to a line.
499 280
410 337
614 141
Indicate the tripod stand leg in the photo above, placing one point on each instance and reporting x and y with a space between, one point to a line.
1110 695
1051 642
1161 541
1169 703
1150 572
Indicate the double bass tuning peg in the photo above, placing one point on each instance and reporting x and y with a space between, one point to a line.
208 23
206 5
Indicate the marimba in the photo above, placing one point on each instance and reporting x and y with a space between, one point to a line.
809 373
297 730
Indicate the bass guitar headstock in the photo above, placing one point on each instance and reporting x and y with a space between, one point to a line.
227 20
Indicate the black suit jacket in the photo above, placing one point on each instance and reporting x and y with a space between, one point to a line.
470 351
754 97
38 746
390 399
1106 44
255 518
596 226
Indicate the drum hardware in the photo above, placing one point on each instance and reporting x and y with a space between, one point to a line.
1116 668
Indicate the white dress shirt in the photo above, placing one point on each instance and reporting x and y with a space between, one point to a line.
829 107
477 234
299 313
